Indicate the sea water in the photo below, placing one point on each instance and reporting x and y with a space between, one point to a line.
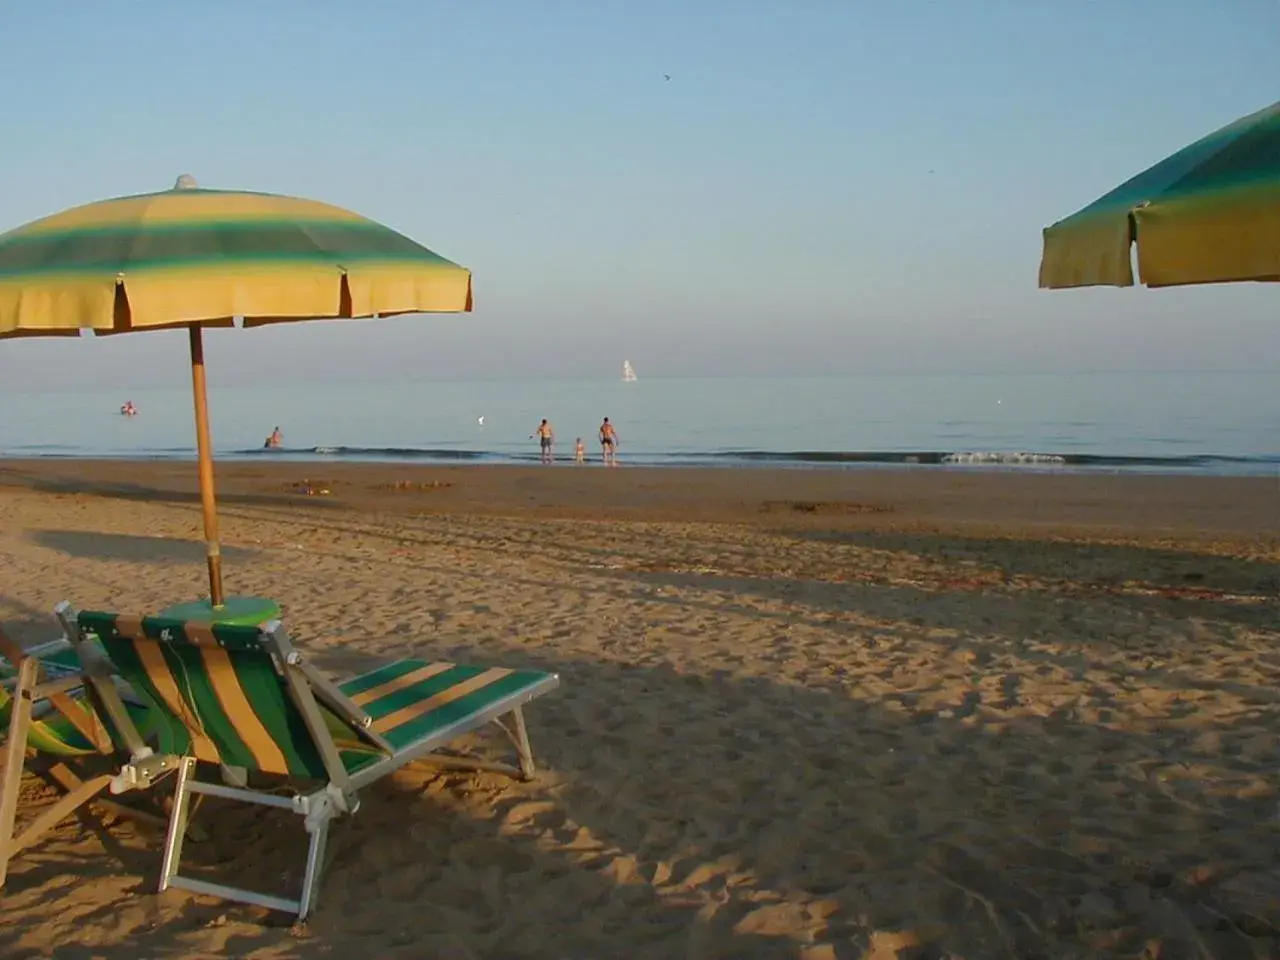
1202 422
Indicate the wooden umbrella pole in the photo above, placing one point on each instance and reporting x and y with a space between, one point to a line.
204 451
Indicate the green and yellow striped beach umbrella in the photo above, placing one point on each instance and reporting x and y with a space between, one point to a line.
1209 213
195 258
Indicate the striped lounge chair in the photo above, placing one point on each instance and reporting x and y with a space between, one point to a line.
247 699
46 712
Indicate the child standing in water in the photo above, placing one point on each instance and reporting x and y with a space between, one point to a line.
580 451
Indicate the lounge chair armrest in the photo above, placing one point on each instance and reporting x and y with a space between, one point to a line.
327 692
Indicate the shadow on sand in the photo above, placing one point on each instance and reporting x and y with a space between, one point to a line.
702 816
131 548
294 494
1099 564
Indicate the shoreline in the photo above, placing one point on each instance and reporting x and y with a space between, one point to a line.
1089 464
991 501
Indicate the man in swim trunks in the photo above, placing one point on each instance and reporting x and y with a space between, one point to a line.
546 436
608 443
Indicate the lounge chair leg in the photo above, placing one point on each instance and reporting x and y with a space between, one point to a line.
527 769
177 823
61 775
315 865
56 813
14 756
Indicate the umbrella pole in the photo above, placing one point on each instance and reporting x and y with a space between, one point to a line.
204 451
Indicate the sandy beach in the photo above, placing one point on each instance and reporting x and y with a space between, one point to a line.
810 714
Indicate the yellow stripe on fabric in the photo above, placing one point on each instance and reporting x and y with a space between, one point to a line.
54 303
1212 235
130 627
1087 252
167 296
263 292
390 288
153 661
82 716
399 683
271 293
413 711
184 206
199 634
1210 239
226 686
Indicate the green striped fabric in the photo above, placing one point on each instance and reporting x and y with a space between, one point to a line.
124 248
510 684
215 690
176 228
220 697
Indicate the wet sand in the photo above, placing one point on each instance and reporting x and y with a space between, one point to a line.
820 714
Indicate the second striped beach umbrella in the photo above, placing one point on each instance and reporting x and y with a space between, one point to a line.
1209 213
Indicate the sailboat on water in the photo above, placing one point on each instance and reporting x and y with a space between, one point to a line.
628 372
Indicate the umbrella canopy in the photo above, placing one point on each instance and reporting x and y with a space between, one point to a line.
1209 213
200 258
207 256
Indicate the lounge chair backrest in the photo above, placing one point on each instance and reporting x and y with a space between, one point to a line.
8 671
218 689
75 729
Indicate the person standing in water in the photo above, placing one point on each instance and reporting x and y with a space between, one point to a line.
580 451
546 437
275 440
608 443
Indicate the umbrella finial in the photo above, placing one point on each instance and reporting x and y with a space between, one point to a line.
185 182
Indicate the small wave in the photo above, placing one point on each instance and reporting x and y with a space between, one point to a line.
1045 459
377 453
978 458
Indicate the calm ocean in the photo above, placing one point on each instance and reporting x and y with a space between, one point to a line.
1202 422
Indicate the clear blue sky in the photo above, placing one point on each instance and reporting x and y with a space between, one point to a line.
823 186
